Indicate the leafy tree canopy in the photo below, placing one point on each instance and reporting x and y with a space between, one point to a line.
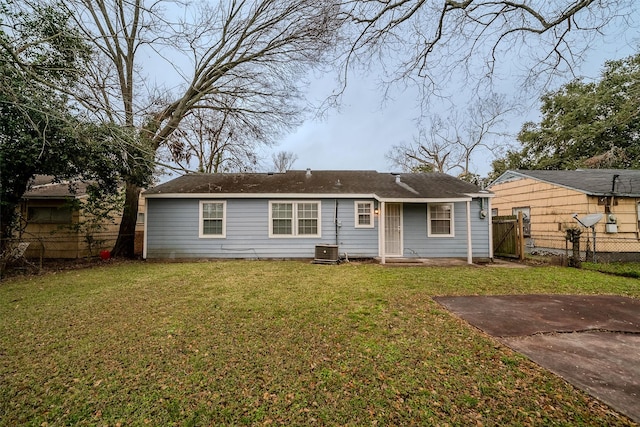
40 133
584 124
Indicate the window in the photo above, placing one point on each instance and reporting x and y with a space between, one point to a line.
440 220
364 214
638 216
308 219
282 218
294 219
212 219
49 214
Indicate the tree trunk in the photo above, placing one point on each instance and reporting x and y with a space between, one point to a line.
7 216
9 204
125 245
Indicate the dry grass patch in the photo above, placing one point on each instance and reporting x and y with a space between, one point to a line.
290 343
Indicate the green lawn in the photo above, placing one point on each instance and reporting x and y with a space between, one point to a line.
285 343
627 269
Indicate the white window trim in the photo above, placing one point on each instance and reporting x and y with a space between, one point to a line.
294 219
453 228
201 220
371 212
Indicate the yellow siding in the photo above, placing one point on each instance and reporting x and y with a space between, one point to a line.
49 240
63 241
552 209
91 242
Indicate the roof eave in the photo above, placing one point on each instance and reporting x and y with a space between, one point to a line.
480 195
258 195
461 198
520 175
423 199
54 197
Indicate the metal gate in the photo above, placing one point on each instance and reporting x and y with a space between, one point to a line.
508 238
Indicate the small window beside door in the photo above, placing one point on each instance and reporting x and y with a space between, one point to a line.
364 214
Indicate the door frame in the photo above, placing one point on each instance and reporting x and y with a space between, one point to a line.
400 230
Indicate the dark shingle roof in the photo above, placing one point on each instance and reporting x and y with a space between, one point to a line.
596 182
382 185
44 187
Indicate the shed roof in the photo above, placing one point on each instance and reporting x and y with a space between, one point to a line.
335 183
595 182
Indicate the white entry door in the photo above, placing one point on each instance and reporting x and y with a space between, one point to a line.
393 229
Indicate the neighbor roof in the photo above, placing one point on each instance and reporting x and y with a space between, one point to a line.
45 187
595 182
344 183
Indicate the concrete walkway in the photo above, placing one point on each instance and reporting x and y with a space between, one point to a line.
592 341
449 262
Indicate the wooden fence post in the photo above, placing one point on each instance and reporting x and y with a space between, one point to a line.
520 236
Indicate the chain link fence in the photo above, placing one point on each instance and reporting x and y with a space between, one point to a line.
67 245
31 251
583 244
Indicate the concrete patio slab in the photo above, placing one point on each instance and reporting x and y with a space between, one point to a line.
592 341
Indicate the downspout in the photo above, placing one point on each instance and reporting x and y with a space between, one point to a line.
490 229
146 221
469 248
335 220
381 227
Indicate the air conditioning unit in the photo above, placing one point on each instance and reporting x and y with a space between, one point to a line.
326 254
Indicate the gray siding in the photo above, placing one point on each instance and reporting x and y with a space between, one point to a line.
418 244
172 232
355 242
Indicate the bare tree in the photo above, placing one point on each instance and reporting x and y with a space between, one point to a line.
430 150
206 142
449 144
480 127
283 160
428 40
245 50
225 138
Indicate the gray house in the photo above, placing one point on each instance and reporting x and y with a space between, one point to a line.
358 214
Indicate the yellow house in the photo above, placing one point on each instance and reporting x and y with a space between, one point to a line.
553 202
56 224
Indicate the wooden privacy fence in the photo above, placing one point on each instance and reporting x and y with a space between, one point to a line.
508 236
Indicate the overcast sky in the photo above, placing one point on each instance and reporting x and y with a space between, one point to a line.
365 128
367 125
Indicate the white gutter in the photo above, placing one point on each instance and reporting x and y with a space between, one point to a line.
481 195
469 246
423 200
258 196
306 196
